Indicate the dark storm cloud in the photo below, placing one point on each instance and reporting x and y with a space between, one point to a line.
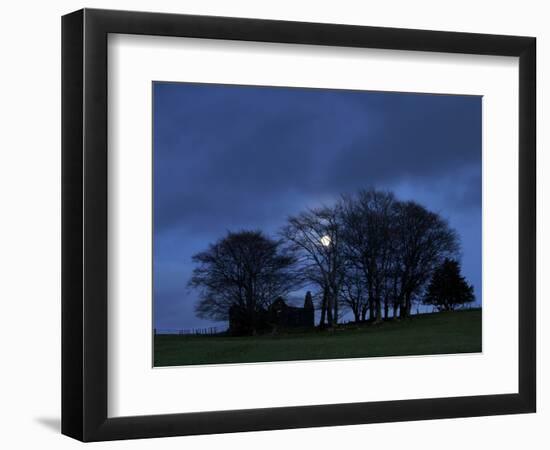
432 136
231 157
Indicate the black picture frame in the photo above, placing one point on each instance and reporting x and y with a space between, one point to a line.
84 224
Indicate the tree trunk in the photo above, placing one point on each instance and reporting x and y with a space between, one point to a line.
330 309
372 312
406 306
323 309
378 310
335 300
364 313
356 314
409 306
250 312
403 307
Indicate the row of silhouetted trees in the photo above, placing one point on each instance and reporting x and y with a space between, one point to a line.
369 253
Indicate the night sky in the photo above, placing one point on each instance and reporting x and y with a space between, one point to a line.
247 157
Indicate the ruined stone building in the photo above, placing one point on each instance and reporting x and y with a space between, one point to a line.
278 316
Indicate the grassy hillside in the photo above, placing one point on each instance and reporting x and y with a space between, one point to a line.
446 332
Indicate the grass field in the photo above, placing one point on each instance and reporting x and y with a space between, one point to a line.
427 334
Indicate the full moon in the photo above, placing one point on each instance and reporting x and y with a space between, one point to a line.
325 240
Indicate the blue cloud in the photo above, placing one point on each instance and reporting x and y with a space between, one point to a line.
233 157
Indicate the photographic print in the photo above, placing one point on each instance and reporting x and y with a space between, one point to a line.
306 224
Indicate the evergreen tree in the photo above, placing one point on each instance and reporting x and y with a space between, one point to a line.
448 289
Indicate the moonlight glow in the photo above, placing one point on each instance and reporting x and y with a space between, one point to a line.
325 240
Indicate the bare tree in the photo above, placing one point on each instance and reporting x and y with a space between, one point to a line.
423 240
368 253
315 237
367 233
354 293
395 246
244 269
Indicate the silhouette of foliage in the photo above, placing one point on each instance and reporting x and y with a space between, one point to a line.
315 237
368 219
448 289
368 253
422 241
246 269
391 249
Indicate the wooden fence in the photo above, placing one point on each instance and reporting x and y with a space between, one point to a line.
187 331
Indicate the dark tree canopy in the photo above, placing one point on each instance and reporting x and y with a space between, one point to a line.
366 254
354 293
315 237
244 269
422 241
367 236
391 249
448 289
